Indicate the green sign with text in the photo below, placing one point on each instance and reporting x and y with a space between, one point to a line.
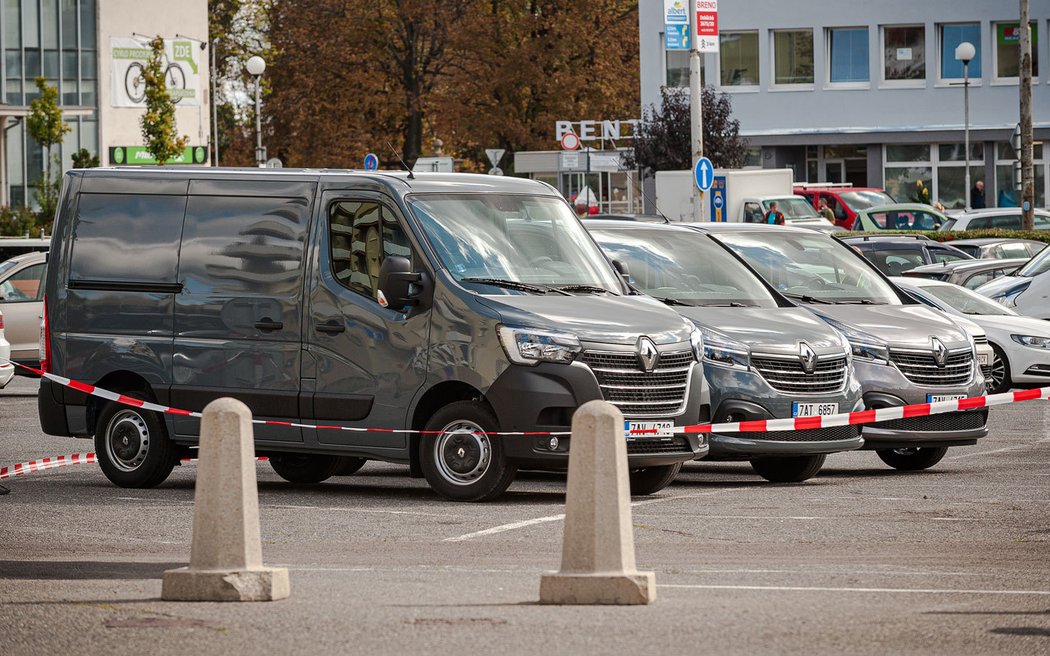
120 155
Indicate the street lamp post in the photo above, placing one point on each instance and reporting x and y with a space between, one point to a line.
256 65
964 53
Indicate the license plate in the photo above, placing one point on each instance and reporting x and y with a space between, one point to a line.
651 428
937 398
814 409
982 359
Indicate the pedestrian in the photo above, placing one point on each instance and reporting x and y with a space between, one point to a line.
773 216
826 211
977 196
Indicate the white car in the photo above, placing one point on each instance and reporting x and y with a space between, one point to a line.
1021 344
1027 291
992 218
7 370
22 302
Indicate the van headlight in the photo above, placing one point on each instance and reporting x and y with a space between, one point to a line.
722 351
863 347
530 347
696 340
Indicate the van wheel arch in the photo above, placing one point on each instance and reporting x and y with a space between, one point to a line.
122 382
433 400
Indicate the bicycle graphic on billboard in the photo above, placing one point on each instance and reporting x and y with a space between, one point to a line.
179 61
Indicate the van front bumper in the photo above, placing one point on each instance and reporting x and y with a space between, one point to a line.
543 399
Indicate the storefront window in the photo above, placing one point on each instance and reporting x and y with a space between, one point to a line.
678 68
848 49
951 37
904 52
903 182
793 57
951 185
1008 48
907 153
1006 194
739 59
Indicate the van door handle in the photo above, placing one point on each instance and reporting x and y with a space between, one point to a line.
332 327
266 323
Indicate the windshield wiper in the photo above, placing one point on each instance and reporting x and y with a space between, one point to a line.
673 301
856 301
806 298
729 304
514 284
583 288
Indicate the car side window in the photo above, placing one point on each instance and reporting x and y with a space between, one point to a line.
1004 251
942 255
1007 222
836 207
361 235
979 223
753 213
979 279
25 286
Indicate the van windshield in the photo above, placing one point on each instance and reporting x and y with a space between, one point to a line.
862 200
811 268
684 268
792 208
496 243
1038 264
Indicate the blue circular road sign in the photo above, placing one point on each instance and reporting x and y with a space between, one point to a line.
371 162
704 174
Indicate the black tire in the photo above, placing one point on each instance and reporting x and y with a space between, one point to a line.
349 465
999 380
304 468
461 463
790 469
651 480
132 447
914 459
134 84
174 78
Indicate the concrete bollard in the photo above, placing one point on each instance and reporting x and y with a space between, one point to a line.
597 561
226 555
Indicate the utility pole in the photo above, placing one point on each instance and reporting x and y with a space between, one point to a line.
696 114
1027 169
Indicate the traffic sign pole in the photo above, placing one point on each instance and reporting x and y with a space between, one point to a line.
696 123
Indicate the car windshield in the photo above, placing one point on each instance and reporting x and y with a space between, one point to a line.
6 266
686 268
814 268
862 200
1038 264
964 300
904 219
792 208
503 243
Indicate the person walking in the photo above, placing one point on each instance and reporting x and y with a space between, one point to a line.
977 196
774 216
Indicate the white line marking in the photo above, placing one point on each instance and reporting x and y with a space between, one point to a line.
787 588
360 510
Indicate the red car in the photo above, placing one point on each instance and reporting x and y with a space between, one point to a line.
845 201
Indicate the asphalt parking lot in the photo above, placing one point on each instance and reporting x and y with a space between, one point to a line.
860 560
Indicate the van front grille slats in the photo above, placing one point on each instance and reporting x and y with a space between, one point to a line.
922 368
787 375
659 393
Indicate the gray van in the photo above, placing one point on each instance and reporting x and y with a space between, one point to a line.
457 304
904 352
764 357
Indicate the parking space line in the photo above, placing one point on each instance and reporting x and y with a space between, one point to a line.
1005 449
791 588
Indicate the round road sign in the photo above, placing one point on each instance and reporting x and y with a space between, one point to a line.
570 141
371 162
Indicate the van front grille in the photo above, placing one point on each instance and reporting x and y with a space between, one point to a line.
922 368
637 393
788 375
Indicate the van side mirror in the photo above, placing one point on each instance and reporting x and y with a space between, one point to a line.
395 282
621 269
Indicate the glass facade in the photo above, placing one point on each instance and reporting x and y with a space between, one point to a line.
937 173
54 39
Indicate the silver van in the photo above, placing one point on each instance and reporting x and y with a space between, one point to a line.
458 304
904 352
764 357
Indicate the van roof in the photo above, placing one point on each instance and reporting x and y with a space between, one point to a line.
397 181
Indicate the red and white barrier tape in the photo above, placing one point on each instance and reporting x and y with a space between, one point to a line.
46 463
759 426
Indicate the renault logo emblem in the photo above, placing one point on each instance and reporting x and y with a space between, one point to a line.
940 352
808 357
648 356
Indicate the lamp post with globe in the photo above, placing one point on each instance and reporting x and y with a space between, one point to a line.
256 65
964 53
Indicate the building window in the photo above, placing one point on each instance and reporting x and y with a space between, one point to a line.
1006 194
793 57
738 56
951 37
951 173
848 54
1008 50
929 174
678 68
904 53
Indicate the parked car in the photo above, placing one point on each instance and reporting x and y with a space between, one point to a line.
12 246
764 358
7 370
901 216
456 304
899 345
1027 291
845 200
1021 345
645 218
1000 248
967 273
22 302
895 254
994 218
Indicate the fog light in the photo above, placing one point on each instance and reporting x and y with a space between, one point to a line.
553 444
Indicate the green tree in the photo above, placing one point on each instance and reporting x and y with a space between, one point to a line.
83 159
158 123
45 124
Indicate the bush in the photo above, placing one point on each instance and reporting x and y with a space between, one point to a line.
18 222
952 235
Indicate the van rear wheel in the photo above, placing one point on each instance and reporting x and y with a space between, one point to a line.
791 469
132 447
651 480
460 461
914 459
348 465
304 468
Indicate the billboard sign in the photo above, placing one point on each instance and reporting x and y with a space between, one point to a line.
180 62
707 25
676 25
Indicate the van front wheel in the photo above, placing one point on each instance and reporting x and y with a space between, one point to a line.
132 447
305 468
651 480
460 461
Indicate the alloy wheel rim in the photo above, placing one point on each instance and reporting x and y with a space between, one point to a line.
998 374
463 452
